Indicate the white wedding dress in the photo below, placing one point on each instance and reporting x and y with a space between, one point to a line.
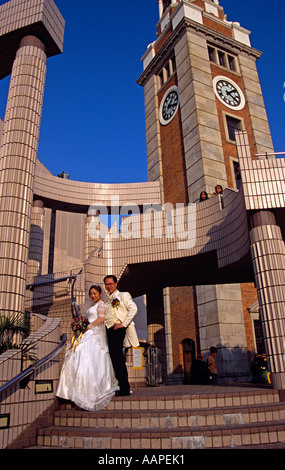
87 377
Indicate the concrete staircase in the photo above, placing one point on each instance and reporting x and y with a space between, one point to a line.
174 417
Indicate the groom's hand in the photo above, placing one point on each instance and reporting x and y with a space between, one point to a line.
118 325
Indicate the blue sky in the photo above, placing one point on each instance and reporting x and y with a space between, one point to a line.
93 124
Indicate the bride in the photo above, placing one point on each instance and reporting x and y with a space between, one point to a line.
87 376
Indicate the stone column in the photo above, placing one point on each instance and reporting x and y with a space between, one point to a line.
18 155
268 255
221 324
168 332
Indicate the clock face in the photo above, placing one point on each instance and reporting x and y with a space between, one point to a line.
228 92
169 105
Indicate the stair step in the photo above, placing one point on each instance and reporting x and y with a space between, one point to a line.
140 402
165 438
180 417
168 419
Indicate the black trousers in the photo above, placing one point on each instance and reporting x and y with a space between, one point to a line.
115 343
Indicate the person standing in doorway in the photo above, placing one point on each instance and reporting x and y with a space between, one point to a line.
212 366
120 311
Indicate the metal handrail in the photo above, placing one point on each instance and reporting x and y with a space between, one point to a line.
60 279
52 281
74 305
29 371
268 153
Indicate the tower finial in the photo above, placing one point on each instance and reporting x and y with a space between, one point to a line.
160 8
163 4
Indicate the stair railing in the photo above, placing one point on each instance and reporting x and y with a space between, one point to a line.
25 374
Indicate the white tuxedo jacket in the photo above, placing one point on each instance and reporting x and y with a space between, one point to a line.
125 313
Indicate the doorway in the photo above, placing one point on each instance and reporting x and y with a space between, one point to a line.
188 348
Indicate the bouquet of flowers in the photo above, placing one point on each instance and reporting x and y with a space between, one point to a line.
115 303
78 325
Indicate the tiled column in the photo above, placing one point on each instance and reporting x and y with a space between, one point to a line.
34 266
168 332
91 239
17 168
268 255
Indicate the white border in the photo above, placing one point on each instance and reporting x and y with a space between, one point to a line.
242 98
163 121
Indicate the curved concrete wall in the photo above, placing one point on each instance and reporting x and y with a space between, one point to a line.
155 243
78 196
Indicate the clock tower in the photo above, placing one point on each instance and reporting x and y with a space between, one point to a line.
200 85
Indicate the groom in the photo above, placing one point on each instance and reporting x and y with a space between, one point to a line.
120 311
